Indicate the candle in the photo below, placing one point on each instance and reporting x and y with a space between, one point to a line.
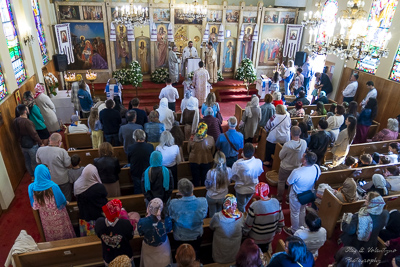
305 15
310 35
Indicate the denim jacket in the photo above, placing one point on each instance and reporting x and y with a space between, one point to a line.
153 131
154 232
187 214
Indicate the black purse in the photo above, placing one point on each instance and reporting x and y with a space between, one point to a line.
309 195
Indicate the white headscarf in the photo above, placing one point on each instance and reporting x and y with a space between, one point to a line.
380 182
166 115
365 224
254 103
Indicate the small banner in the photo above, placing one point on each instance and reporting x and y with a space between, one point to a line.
130 33
153 32
206 35
63 35
113 35
255 34
221 34
170 33
294 34
241 34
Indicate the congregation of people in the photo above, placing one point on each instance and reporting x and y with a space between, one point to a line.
244 222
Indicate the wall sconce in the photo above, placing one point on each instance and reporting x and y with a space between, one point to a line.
28 39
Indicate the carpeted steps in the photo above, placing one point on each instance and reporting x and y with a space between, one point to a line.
236 94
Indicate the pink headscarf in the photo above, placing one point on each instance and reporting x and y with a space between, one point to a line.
155 208
89 177
39 88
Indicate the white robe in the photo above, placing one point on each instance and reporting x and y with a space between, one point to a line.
199 82
173 62
188 53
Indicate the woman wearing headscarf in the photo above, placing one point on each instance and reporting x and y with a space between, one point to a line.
155 228
264 217
361 232
278 128
36 117
348 192
379 185
91 196
227 227
47 108
190 116
121 261
46 196
189 98
201 150
157 180
214 127
300 112
115 233
166 116
251 117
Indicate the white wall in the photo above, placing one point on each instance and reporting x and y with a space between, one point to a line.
6 190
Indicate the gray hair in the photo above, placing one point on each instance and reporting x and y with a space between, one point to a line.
139 135
185 187
393 125
209 111
232 121
166 139
277 95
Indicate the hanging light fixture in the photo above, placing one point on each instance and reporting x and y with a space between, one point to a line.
193 11
131 15
312 20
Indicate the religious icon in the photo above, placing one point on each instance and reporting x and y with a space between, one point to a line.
229 56
69 13
232 16
64 38
214 37
123 51
92 13
17 95
161 15
214 16
247 44
271 44
271 17
287 17
293 35
161 45
143 56
249 16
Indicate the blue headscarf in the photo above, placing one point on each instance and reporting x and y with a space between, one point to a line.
156 161
43 182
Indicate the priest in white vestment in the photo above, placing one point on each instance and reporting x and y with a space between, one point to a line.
199 83
188 52
211 63
173 62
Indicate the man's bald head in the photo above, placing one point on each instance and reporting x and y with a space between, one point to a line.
54 139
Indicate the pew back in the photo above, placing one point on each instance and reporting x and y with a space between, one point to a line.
77 140
88 155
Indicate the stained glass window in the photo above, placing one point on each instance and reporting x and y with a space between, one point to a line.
40 31
328 16
395 73
14 48
3 89
379 21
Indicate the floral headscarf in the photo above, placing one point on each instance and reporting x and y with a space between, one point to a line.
202 130
121 261
112 209
261 193
39 89
155 208
229 201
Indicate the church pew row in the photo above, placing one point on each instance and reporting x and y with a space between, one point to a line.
310 108
332 209
88 155
134 203
356 150
85 251
77 140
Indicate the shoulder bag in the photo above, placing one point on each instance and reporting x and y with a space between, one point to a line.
230 143
309 195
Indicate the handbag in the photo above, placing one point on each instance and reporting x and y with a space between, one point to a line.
219 117
309 195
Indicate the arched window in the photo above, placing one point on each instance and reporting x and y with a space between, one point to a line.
328 16
40 31
14 48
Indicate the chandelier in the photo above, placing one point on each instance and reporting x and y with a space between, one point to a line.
193 11
131 15
313 20
354 40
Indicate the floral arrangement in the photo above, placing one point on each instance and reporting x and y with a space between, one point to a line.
132 75
246 72
51 82
159 75
191 75
219 74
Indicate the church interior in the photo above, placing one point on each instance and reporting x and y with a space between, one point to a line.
271 50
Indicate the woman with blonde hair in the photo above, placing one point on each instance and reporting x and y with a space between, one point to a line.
217 182
185 257
279 132
108 167
95 128
211 101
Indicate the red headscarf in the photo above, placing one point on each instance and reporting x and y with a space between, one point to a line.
262 192
39 88
112 209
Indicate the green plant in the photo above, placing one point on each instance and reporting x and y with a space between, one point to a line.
52 83
191 75
219 74
133 75
246 72
159 75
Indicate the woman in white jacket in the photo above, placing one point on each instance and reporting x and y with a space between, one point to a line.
47 108
278 128
342 144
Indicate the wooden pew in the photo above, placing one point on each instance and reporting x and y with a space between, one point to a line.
238 114
77 140
85 251
332 209
260 150
310 108
88 155
373 129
